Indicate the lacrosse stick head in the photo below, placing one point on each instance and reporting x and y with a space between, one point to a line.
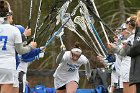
74 10
63 9
81 12
83 8
70 24
80 21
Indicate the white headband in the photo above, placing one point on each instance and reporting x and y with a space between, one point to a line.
76 51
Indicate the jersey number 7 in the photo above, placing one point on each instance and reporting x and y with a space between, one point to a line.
4 39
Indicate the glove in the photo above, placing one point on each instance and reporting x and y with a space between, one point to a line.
41 55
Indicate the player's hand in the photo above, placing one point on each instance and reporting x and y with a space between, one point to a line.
43 48
63 47
33 44
27 31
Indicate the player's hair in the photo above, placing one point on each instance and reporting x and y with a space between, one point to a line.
4 8
77 45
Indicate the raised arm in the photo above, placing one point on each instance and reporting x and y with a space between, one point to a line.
60 55
88 70
24 49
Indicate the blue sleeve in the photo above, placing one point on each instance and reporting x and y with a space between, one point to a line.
111 58
31 56
17 61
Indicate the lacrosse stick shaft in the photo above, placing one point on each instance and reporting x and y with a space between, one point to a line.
57 32
61 41
85 14
100 21
94 45
99 38
86 42
30 15
91 30
37 22
80 21
53 8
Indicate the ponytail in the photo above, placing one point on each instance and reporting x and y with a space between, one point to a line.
4 8
77 45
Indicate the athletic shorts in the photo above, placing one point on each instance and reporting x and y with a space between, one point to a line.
125 76
125 69
114 78
7 76
64 87
16 82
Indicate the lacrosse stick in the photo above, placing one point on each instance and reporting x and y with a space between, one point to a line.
60 36
79 20
100 21
71 26
85 14
75 9
62 11
30 15
56 33
38 18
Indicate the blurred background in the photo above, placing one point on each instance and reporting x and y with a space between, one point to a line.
112 12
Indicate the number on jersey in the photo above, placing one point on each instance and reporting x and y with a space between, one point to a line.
71 70
4 40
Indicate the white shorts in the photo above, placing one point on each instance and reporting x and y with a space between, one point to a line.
6 76
121 83
125 69
114 78
24 82
16 82
58 83
125 77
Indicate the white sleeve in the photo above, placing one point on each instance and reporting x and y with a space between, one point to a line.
87 70
66 55
84 59
60 56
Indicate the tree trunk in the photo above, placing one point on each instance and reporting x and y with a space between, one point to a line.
122 11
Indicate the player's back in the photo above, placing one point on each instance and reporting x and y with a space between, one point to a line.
9 35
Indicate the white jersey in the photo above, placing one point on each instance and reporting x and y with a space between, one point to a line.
68 71
117 63
9 35
126 62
